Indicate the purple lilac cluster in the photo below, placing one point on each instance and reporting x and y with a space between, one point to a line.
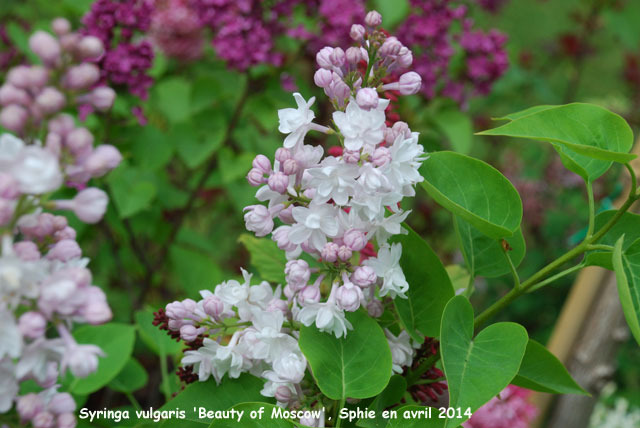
430 30
492 6
176 29
336 18
125 61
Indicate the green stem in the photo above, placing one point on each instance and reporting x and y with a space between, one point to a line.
414 375
429 381
592 209
166 389
338 418
556 277
133 401
514 272
600 247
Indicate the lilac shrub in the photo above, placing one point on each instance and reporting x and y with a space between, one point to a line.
45 285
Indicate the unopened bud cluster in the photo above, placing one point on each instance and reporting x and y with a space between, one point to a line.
34 93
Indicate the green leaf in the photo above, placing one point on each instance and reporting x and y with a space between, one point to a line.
152 148
627 268
477 368
133 190
542 371
356 366
172 97
194 270
116 341
211 396
587 137
266 258
526 112
429 287
484 256
474 191
457 127
131 378
628 225
157 340
194 147
266 421
391 395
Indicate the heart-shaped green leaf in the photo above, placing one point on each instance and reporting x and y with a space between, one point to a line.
429 287
542 371
588 137
131 378
477 369
474 191
116 341
355 366
484 256
627 225
391 395
626 265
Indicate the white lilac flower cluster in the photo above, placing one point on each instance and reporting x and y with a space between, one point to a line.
339 210
45 286
33 93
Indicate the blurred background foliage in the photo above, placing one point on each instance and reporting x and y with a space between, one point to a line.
174 223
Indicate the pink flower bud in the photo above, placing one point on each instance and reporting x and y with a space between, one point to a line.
357 32
60 26
344 253
364 276
329 252
62 124
354 55
355 239
82 76
96 310
410 83
102 160
32 324
28 406
323 57
19 77
367 98
7 209
79 141
405 58
288 292
290 167
65 233
64 250
14 118
45 46
102 98
9 188
375 309
286 215
69 42
373 19
62 403
27 251
340 90
297 273
213 306
348 297
390 47
90 47
82 360
278 182
43 420
281 237
283 394
38 76
262 164
309 295
351 157
180 310
282 154
50 100
381 156
258 219
89 205
275 305
338 57
67 420
322 77
10 94
188 333
255 177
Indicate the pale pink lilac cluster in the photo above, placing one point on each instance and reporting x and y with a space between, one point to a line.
127 59
335 216
33 94
45 286
176 29
511 409
439 30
